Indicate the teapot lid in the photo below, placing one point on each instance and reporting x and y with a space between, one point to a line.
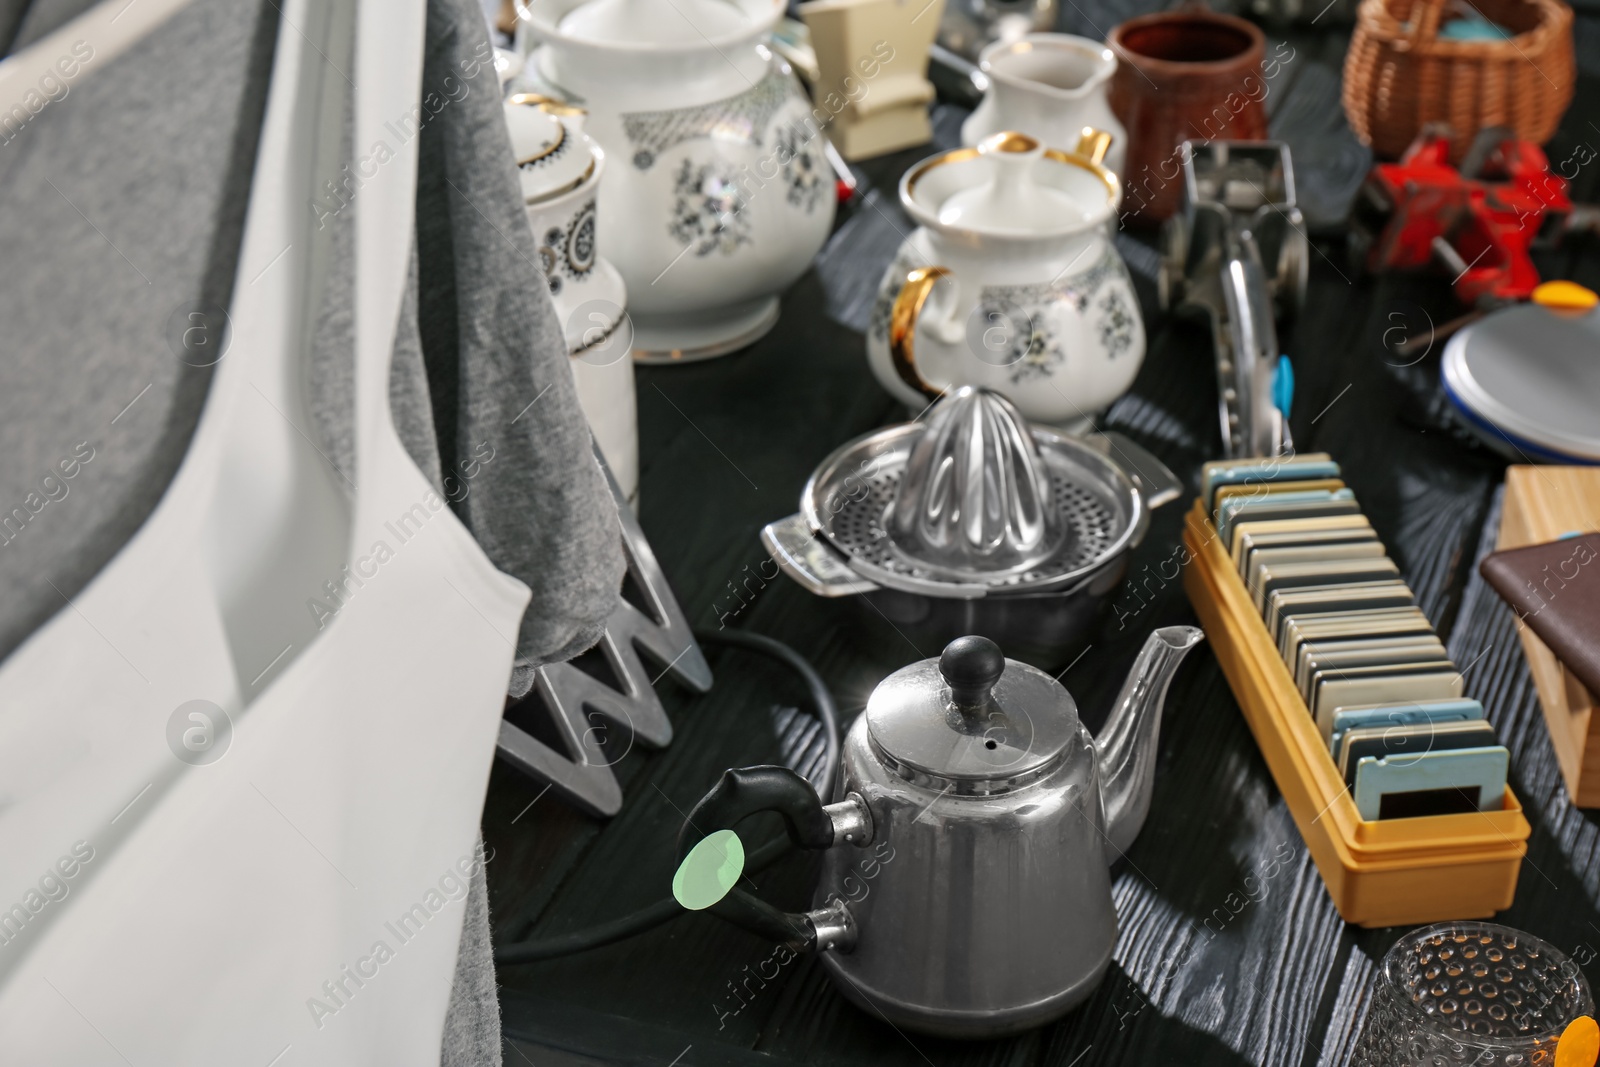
682 22
547 141
1013 197
972 720
1010 185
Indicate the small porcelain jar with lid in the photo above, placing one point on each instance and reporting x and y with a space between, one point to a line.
721 193
1010 283
560 169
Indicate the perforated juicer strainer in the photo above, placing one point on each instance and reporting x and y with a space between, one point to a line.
968 520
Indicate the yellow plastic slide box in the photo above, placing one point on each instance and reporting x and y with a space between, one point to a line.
1393 872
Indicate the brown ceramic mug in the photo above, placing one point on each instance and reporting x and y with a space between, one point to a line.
1182 75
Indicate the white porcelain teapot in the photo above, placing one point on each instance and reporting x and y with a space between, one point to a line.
720 193
1010 282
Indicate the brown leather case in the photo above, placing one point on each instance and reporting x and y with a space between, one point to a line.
1555 589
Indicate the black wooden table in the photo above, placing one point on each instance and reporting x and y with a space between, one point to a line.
1231 951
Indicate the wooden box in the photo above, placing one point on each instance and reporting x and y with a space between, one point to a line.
1392 872
1541 504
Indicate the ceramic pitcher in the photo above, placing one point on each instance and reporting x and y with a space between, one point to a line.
1010 282
1049 86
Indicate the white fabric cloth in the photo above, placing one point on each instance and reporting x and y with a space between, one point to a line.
297 899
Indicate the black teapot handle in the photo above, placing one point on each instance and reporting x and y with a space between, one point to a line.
742 792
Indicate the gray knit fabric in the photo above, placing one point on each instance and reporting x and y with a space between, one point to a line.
498 377
472 1026
121 211
408 387
496 360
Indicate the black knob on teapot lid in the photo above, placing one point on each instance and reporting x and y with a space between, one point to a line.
971 666
971 719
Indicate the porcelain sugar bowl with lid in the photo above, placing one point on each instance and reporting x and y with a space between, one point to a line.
560 170
720 193
1010 282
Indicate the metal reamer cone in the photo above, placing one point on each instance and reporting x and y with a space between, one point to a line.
975 497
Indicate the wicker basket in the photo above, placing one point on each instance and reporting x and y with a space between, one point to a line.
1399 75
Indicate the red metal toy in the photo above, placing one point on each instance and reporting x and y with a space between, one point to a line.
1478 222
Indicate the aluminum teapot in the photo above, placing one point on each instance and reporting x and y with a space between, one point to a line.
981 820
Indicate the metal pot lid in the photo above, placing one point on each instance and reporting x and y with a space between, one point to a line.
547 140
972 719
969 501
1529 374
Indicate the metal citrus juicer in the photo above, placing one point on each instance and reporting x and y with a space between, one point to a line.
1236 253
970 521
992 819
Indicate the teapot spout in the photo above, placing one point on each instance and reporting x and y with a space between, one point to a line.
1126 747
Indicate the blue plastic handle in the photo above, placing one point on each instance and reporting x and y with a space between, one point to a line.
1283 386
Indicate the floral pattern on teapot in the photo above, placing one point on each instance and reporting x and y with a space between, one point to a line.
804 175
708 199
705 209
1034 351
1117 323
1038 354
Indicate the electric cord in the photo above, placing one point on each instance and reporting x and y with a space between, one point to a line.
662 911
821 700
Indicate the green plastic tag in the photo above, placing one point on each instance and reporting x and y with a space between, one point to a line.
709 870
